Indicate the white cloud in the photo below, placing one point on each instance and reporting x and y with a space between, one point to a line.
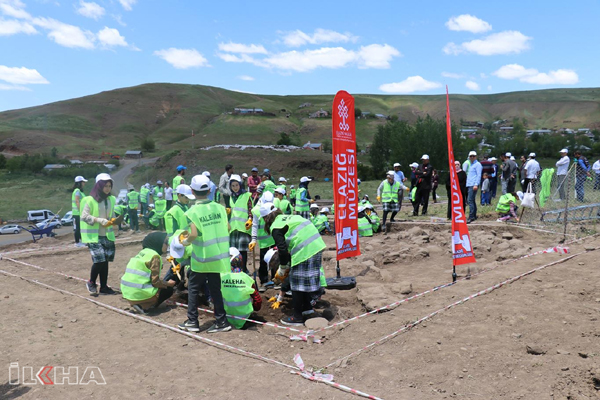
14 8
469 23
507 42
4 86
472 85
12 27
111 37
452 75
21 76
242 48
532 75
298 38
410 85
245 78
90 10
127 4
119 19
376 56
182 58
65 34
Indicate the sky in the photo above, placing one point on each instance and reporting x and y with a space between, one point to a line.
53 50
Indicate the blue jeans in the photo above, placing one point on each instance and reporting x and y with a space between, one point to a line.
486 198
472 200
579 187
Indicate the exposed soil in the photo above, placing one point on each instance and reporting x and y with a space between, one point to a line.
537 338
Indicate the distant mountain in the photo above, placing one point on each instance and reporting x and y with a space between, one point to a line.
117 120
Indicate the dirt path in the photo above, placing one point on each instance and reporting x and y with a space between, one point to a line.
120 177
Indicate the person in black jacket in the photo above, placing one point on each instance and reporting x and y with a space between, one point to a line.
462 184
423 174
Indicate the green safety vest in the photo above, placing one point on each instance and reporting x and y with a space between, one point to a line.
176 215
136 283
177 181
301 205
319 222
187 252
269 186
364 227
239 213
158 190
236 288
89 233
322 279
210 251
120 209
390 192
282 186
264 239
413 194
504 203
133 200
293 193
160 207
144 191
153 219
303 239
375 221
76 193
284 205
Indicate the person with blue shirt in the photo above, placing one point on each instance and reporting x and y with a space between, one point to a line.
474 169
582 171
400 178
213 187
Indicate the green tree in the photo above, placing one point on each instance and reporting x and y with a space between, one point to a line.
357 113
327 146
148 144
284 139
2 161
54 152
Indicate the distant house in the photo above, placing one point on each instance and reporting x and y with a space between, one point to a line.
538 131
304 105
76 162
313 146
110 167
381 116
248 110
567 131
50 167
134 154
506 128
365 114
468 130
583 130
319 114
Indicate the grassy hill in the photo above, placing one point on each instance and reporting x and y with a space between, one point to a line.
117 120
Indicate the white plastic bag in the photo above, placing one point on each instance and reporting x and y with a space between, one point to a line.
528 197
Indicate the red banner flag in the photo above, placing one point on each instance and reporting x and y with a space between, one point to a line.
345 186
462 249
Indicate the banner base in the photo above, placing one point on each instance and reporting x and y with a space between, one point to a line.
341 283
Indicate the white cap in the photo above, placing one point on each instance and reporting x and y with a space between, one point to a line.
235 177
103 177
512 158
206 173
396 164
244 175
472 153
267 209
361 208
562 151
159 182
176 249
314 205
305 179
531 154
186 191
325 209
280 191
282 179
493 159
414 165
268 255
369 205
508 155
520 195
80 178
425 157
151 205
390 173
358 181
200 182
233 252
159 195
291 186
267 197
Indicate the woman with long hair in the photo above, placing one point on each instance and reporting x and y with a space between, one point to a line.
97 211
76 198
240 218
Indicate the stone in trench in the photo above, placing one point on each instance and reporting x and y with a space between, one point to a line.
316 323
405 287
507 236
535 349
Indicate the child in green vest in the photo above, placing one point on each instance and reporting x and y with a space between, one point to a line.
76 198
240 219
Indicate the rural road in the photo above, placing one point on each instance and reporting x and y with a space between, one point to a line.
120 178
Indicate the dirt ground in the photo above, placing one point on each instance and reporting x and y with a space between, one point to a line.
480 349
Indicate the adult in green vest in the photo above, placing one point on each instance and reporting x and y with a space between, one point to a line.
76 198
209 238
375 220
179 179
365 229
141 284
282 183
240 296
158 189
121 209
387 194
97 212
240 219
267 184
303 198
300 245
175 218
160 207
292 195
281 202
264 240
321 221
133 203
507 206
144 198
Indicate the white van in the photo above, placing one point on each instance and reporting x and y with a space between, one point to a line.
40 215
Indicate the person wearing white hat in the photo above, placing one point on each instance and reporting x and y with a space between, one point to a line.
281 202
76 198
144 199
281 185
224 184
267 184
474 171
423 174
531 170
562 167
303 198
299 245
158 189
400 178
214 194
494 177
209 238
175 218
160 209
314 211
387 194
97 213
240 218
365 225
321 221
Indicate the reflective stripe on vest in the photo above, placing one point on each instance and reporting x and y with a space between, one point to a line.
236 289
504 203
144 194
301 205
390 192
90 233
319 222
303 239
76 193
132 200
264 239
239 214
237 303
136 283
160 207
176 214
210 251
364 227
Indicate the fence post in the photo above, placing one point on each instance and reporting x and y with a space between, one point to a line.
568 192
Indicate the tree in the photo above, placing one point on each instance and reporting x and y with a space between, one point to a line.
327 146
2 161
54 152
284 139
357 112
148 144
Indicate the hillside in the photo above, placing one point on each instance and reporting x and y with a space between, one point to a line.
117 120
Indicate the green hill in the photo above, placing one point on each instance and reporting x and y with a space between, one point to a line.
117 120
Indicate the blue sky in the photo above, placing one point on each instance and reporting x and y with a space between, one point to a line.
55 49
